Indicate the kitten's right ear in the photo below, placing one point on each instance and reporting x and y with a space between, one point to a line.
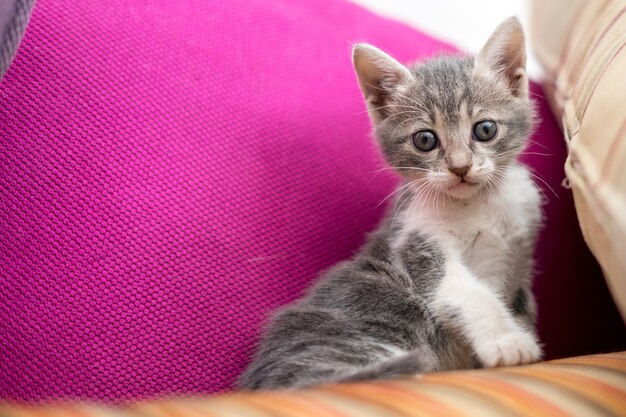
505 54
379 75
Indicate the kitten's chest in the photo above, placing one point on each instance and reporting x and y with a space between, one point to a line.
486 232
485 245
486 235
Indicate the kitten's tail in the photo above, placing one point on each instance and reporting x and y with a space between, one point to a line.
410 363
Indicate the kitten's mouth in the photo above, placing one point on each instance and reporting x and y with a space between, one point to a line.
463 188
463 183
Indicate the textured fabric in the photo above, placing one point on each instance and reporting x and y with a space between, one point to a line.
14 15
586 63
585 386
173 171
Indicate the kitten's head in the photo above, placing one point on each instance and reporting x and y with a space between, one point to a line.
451 122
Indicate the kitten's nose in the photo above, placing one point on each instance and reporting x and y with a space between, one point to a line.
461 171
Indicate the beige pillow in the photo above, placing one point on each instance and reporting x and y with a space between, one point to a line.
582 46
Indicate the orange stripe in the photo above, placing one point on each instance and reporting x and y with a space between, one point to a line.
228 405
617 355
512 396
289 405
607 366
318 405
477 401
76 410
215 407
605 394
561 394
401 390
37 411
13 411
153 409
187 409
396 398
274 408
617 363
349 406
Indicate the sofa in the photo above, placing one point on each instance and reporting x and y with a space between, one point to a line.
171 173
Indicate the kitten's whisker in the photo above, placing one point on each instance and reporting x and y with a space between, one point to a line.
520 153
437 193
400 124
514 61
411 168
395 213
402 112
396 190
525 153
503 173
543 181
426 197
492 100
489 186
410 205
419 107
412 101
392 193
388 168
537 153
387 106
498 180
414 183
419 197
402 202
416 198
379 171
530 93
494 96
416 103
538 144
499 97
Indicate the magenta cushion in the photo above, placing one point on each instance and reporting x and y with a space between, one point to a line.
173 171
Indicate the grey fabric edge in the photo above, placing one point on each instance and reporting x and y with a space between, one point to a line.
11 35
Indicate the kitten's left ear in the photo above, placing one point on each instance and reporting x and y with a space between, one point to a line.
505 54
379 76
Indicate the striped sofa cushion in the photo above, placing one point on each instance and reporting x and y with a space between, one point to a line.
581 46
585 386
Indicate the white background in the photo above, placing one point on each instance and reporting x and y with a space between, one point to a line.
464 23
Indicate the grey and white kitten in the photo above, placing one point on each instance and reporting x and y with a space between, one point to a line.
444 283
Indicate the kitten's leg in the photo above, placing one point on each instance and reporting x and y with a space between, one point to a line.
522 302
462 301
524 308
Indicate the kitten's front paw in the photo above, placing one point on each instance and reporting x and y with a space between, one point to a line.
512 348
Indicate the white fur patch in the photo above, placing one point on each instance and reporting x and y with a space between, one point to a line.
477 236
479 230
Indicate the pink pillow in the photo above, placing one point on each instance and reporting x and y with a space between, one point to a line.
173 172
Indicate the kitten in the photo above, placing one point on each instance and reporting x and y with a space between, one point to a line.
444 283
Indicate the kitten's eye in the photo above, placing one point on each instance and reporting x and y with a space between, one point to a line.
425 140
485 130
